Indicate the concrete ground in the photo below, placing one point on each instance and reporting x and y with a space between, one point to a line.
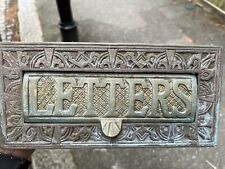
148 21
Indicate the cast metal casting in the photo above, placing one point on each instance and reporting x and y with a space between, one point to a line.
67 95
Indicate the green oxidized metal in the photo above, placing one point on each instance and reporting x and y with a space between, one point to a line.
67 95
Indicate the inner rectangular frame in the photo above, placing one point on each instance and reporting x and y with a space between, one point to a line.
208 61
76 120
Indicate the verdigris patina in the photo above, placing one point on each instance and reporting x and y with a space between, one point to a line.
122 95
74 98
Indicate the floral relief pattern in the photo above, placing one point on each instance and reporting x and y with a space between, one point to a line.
204 62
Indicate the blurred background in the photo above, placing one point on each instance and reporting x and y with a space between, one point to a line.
169 22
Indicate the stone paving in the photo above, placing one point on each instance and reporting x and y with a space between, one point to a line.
148 21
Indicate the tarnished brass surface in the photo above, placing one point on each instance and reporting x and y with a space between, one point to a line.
67 95
82 97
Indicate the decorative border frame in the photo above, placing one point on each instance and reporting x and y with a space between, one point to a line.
15 58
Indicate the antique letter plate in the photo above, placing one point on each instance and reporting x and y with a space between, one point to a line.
66 95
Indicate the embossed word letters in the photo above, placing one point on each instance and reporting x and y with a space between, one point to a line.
160 90
123 97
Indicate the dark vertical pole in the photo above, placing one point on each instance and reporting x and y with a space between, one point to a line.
67 24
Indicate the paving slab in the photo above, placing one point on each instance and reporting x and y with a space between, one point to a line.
29 32
53 159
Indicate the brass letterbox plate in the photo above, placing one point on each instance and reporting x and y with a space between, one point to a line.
66 95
